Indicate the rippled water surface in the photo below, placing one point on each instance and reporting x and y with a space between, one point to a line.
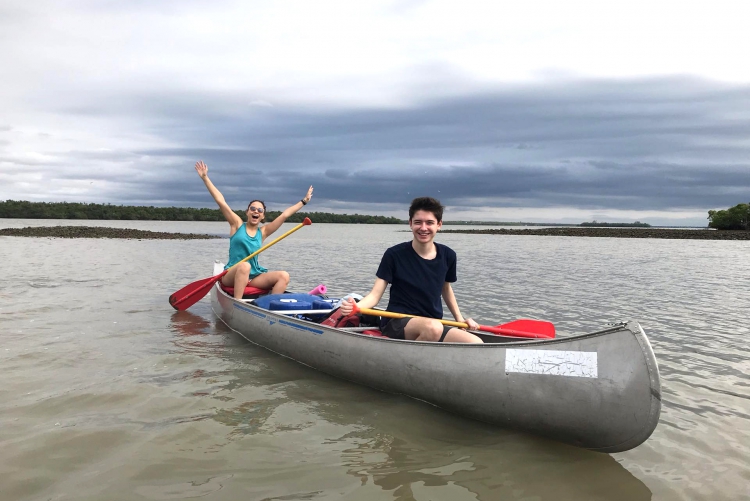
108 393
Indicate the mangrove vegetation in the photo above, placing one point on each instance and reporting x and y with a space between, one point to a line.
735 218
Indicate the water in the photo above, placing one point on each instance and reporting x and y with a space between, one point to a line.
108 393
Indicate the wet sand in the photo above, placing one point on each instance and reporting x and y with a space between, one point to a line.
100 232
666 233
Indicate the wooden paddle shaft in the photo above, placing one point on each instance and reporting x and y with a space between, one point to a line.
499 329
306 222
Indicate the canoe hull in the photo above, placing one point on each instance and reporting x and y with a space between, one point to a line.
600 391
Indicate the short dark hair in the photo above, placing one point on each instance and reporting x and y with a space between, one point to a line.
428 204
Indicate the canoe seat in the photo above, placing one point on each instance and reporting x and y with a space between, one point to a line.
250 292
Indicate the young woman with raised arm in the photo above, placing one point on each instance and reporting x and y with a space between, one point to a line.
246 238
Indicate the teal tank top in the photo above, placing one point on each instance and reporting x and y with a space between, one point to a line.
242 245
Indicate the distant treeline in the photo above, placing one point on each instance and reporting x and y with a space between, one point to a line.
734 218
65 210
597 224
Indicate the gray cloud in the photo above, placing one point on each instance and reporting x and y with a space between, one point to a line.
653 144
659 145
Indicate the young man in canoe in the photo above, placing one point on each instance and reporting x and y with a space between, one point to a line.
420 273
246 238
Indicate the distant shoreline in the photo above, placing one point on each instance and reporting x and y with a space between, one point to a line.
663 233
133 234
99 232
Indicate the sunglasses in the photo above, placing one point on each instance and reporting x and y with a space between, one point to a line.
259 210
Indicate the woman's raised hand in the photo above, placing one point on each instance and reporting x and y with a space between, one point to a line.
202 169
309 194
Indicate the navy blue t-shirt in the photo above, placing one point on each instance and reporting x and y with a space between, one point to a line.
417 283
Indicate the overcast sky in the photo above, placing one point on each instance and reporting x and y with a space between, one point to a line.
542 111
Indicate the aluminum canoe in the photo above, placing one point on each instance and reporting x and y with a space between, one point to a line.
600 391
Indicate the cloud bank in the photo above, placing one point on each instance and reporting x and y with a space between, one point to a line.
114 114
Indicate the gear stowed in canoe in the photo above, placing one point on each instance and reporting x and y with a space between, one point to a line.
599 390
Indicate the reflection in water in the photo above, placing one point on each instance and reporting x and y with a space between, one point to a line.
415 447
196 335
505 468
405 448
189 324
248 417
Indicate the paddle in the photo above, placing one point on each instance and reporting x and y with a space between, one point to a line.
517 328
192 293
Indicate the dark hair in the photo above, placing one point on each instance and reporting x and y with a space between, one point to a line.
427 204
261 203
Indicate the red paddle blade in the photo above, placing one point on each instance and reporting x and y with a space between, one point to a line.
546 329
307 221
194 292
523 328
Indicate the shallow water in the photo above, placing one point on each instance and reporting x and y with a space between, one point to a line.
108 393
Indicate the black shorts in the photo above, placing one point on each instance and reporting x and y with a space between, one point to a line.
395 327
